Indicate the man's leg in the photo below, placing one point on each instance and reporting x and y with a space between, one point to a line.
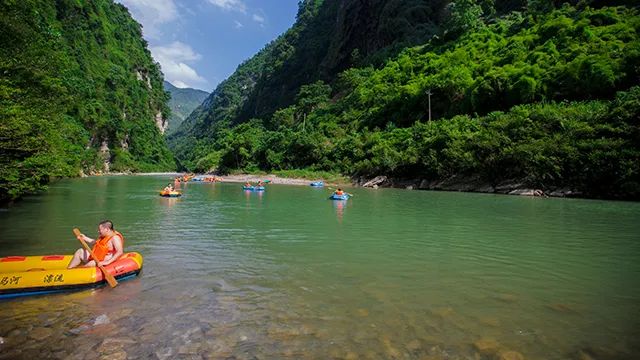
80 256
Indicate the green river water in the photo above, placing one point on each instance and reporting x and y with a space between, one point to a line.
389 274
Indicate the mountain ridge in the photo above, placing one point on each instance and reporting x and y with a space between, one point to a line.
182 102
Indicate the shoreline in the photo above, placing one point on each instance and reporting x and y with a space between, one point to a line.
468 184
274 179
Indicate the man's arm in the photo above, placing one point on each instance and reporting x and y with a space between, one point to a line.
87 239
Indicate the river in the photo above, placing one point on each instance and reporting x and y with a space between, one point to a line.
290 274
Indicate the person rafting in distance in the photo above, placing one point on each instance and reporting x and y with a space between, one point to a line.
260 183
247 184
339 192
168 188
107 248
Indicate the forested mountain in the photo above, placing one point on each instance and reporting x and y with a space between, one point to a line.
79 91
539 93
183 101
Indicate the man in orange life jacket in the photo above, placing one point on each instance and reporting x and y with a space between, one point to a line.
107 248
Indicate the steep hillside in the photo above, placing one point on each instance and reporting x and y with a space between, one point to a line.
538 94
183 101
79 91
328 37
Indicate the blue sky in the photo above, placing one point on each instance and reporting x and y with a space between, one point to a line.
199 43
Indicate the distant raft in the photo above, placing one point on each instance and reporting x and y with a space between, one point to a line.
317 184
170 193
35 275
253 188
339 197
206 179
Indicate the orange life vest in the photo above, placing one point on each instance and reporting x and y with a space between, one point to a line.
339 193
101 247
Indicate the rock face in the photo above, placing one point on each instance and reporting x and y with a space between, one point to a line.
161 122
466 184
105 155
377 181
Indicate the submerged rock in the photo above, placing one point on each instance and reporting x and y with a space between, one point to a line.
166 353
510 355
79 329
508 298
486 346
443 311
120 355
122 313
101 320
414 345
489 321
40 333
351 356
389 349
563 308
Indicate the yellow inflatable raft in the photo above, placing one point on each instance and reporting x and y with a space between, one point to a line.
31 275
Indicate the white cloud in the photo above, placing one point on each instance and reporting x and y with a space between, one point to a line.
235 5
151 14
173 59
257 18
238 24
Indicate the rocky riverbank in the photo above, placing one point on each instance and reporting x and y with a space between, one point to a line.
468 184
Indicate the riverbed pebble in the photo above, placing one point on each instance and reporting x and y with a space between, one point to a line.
119 314
120 355
414 345
510 355
165 353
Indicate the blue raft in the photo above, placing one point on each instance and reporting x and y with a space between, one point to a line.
317 184
253 188
339 197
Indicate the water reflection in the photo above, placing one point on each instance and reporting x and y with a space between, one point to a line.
169 201
339 206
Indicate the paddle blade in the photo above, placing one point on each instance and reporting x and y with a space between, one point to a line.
110 279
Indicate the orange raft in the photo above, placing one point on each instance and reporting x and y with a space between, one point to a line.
32 275
174 193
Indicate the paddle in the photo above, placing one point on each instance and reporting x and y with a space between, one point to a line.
110 279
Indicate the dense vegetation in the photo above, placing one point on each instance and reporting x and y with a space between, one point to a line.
78 91
547 96
183 101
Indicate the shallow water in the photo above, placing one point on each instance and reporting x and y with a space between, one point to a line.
289 274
